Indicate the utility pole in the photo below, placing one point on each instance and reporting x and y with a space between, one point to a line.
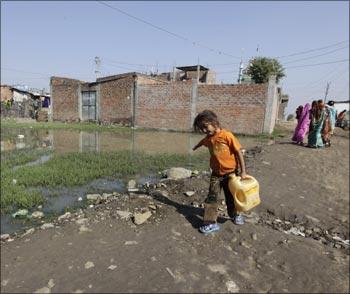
327 88
240 73
173 77
97 67
198 71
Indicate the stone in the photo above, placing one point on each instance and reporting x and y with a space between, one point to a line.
112 267
37 214
140 218
81 221
232 287
189 193
29 231
96 198
152 206
125 215
51 284
131 184
105 196
133 189
176 173
130 243
20 213
245 244
254 237
295 231
43 290
89 265
47 226
4 237
64 216
84 229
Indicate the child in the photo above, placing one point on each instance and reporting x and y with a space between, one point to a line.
226 155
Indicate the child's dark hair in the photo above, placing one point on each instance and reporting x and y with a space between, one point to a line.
204 117
330 103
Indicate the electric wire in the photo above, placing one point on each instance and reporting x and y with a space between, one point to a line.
312 50
194 43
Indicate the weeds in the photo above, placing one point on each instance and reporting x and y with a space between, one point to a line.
75 169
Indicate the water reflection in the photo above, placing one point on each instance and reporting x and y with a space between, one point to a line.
63 141
12 139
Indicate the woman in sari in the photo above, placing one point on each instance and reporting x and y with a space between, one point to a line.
318 116
327 127
303 125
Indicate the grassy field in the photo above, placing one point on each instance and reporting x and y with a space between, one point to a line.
77 169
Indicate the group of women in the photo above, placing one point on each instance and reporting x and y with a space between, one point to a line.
318 120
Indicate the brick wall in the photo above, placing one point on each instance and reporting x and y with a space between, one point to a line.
6 93
240 108
172 106
164 106
65 99
116 100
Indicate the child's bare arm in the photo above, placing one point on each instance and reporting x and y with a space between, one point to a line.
197 146
241 164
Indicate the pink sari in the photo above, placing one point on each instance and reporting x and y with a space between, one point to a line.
303 125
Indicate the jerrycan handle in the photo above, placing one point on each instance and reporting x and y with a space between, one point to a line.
248 177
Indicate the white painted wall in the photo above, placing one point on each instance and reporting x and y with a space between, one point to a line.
341 106
19 97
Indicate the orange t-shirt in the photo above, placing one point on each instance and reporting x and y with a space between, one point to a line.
222 147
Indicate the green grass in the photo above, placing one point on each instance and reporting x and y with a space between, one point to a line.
12 194
279 131
17 157
80 168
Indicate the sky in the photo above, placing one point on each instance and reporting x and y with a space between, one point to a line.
40 39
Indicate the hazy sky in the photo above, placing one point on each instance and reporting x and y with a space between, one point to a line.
43 39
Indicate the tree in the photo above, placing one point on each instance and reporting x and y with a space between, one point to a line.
261 68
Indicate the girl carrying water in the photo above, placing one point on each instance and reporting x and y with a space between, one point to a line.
225 158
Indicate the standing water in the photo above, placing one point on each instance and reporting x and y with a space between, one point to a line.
66 141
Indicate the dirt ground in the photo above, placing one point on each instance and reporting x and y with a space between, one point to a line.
296 240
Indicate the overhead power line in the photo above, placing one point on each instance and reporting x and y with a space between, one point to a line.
312 50
314 64
312 57
195 43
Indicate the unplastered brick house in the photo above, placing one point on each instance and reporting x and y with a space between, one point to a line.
146 101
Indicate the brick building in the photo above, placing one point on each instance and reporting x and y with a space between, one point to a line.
145 101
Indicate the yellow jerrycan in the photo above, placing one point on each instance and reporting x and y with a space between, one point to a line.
245 192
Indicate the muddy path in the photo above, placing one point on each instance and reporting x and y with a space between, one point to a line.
295 241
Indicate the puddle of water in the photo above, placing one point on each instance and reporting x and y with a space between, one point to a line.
40 160
58 199
63 141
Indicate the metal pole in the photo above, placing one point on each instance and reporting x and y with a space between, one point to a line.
327 88
198 70
240 72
